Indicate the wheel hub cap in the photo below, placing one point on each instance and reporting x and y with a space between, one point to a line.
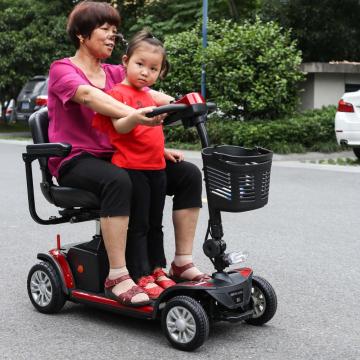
181 324
40 287
259 302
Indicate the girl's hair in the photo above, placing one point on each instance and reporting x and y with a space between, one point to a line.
146 36
89 15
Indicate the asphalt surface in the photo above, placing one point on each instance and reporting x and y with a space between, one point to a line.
305 242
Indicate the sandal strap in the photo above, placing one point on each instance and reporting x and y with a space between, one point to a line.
158 273
128 295
178 270
144 280
201 277
109 283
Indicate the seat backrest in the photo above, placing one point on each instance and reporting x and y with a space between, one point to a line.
39 124
61 196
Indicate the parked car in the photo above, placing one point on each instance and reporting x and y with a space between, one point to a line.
10 111
32 97
347 121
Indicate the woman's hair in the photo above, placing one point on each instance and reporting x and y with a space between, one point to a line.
147 37
89 15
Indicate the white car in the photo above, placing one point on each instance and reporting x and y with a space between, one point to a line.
347 121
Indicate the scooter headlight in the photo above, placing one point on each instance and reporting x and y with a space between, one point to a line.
236 257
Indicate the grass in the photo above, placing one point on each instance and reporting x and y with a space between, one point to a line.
182 146
338 161
16 127
278 148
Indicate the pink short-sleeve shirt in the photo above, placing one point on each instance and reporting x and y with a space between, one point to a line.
70 122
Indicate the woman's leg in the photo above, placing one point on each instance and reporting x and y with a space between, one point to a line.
184 182
113 187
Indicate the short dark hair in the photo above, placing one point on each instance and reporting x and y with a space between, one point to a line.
89 15
145 36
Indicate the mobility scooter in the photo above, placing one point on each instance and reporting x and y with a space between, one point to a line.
237 179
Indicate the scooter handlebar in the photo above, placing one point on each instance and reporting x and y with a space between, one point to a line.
167 109
177 112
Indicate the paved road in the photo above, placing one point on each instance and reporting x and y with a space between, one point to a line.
305 242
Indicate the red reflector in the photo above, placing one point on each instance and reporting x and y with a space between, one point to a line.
41 101
343 106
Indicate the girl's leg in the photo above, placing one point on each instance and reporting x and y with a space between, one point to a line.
137 249
155 237
137 257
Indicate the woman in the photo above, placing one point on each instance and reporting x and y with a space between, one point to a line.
76 91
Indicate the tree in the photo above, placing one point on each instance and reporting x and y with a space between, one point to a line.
32 35
165 17
252 69
326 30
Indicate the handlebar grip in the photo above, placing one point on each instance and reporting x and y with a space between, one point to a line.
166 109
211 106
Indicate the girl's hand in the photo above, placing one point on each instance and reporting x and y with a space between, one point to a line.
139 117
173 155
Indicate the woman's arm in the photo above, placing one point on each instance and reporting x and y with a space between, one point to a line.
104 104
101 102
160 98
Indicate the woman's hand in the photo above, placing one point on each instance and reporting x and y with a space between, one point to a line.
173 155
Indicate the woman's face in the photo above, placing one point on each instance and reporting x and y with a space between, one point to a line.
101 41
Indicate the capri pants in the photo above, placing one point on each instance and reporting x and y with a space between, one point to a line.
114 188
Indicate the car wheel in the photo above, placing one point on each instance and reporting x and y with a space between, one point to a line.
264 301
185 323
44 288
356 151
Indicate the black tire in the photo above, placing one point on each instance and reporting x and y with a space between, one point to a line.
191 328
44 288
356 151
264 301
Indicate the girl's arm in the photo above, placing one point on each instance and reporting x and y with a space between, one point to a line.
127 123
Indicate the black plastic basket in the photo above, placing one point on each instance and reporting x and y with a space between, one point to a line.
237 179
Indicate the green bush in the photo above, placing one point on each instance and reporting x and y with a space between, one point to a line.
311 130
252 70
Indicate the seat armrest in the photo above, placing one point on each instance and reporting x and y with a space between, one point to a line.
48 150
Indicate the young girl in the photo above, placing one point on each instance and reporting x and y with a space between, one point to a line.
140 150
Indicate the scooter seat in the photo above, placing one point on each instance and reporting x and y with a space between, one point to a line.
67 197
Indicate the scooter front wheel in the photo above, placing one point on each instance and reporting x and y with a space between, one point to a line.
44 288
185 323
264 301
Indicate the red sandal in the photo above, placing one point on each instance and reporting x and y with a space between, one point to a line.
152 292
166 283
176 272
125 297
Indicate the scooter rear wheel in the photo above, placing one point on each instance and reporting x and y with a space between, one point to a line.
185 323
264 301
44 288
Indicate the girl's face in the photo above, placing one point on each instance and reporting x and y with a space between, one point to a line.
101 41
144 66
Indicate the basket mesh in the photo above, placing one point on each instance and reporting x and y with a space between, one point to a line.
237 182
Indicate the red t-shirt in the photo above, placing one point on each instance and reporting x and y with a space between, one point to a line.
143 147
